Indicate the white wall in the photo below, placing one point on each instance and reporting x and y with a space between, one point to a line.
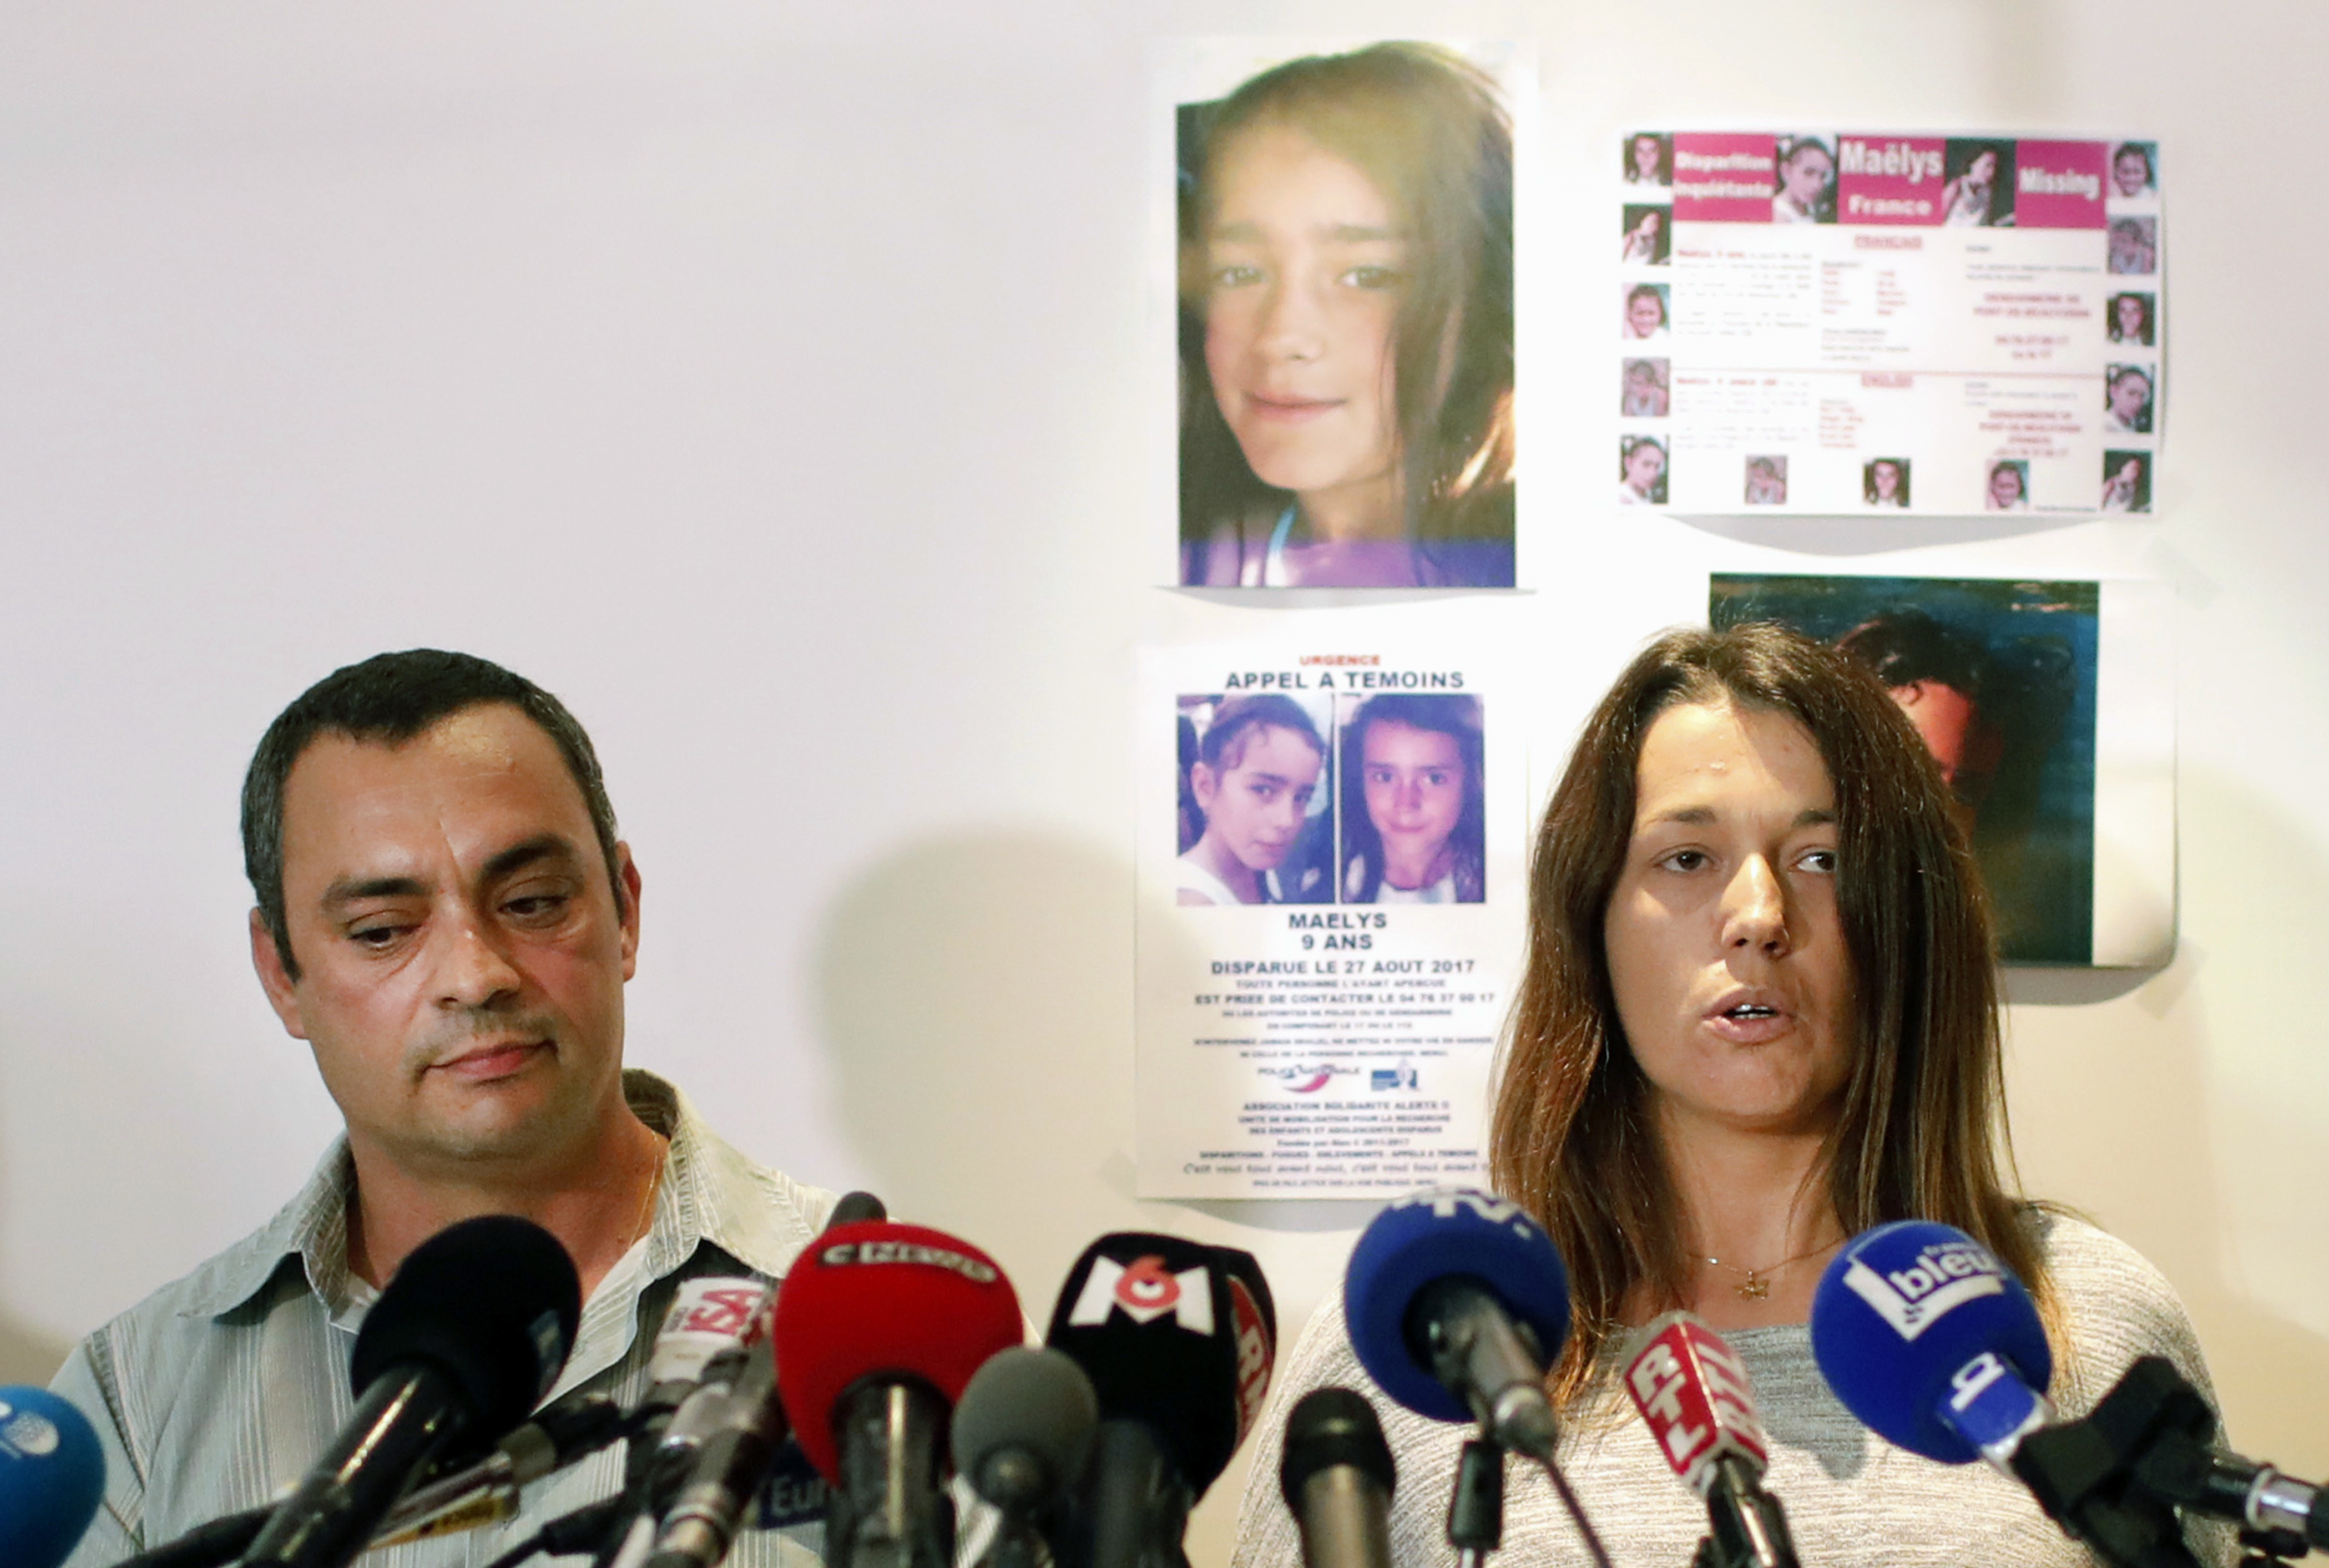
767 380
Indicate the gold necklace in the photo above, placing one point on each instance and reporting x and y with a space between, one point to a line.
1756 1285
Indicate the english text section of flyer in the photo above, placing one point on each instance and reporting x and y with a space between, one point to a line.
1884 325
1331 904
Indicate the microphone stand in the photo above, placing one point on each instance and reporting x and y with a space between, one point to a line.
2115 1478
1475 1510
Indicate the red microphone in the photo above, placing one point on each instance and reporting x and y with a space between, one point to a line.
1693 1394
877 1328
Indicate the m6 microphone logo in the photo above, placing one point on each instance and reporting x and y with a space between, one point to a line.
1942 1277
1144 1290
27 1434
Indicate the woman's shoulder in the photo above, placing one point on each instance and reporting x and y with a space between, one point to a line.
2116 1305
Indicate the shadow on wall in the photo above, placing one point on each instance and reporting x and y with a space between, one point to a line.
26 1354
974 998
2135 1100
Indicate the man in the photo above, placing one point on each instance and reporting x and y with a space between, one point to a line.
446 917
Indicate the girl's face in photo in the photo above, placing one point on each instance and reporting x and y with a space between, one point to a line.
1255 807
1644 315
2004 487
1983 170
1645 158
2128 394
1305 264
1414 781
2130 317
2134 173
1644 463
1886 477
1805 177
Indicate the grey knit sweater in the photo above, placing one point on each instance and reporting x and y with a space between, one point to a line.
1852 1498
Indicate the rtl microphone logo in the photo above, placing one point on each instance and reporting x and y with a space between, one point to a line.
1694 1396
1144 1290
1253 1356
726 1310
1942 1276
27 1434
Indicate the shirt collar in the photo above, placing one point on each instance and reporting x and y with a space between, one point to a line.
707 1193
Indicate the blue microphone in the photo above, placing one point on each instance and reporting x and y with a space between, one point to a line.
1457 1302
1933 1343
52 1477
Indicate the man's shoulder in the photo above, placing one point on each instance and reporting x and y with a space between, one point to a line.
756 1213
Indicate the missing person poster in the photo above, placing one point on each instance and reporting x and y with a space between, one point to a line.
2050 707
1331 902
1335 233
1889 324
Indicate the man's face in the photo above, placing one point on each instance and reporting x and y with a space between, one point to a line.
462 955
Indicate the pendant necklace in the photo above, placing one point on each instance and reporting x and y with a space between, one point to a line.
1756 1285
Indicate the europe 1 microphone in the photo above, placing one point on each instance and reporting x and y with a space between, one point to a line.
1178 1338
1693 1395
470 1332
1337 1477
879 1327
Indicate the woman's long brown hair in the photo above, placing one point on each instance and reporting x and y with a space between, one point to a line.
1920 1132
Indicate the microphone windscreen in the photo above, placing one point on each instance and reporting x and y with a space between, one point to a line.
1333 1426
1440 1234
52 1477
708 1315
1176 1335
1898 1314
875 1298
1696 1398
1039 1401
491 1302
856 1208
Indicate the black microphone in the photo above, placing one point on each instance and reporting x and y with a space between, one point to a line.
468 1335
1337 1479
1021 1435
1178 1339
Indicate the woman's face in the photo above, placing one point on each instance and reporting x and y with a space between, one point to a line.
1645 158
1886 478
1414 782
2133 171
1643 315
1805 177
1254 807
1644 463
2005 484
1983 170
1726 951
2128 394
2129 310
1305 265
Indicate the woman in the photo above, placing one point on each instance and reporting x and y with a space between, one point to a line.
1642 394
1646 155
1257 768
2127 400
1758 1015
1646 235
1977 199
2126 482
1347 286
1414 794
1884 482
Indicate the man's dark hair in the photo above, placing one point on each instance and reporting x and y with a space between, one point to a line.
388 699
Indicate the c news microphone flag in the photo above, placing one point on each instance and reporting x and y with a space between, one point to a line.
52 1477
1931 1341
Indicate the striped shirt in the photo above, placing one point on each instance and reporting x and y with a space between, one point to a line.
214 1394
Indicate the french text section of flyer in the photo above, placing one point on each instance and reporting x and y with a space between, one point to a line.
1889 324
1331 902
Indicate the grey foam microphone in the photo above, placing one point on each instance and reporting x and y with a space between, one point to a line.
1337 1478
1021 1435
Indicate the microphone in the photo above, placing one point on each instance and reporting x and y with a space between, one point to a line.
879 1327
1337 1479
1021 1435
1693 1394
1178 1339
468 1335
1457 1302
1927 1338
52 1477
855 1208
701 1523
